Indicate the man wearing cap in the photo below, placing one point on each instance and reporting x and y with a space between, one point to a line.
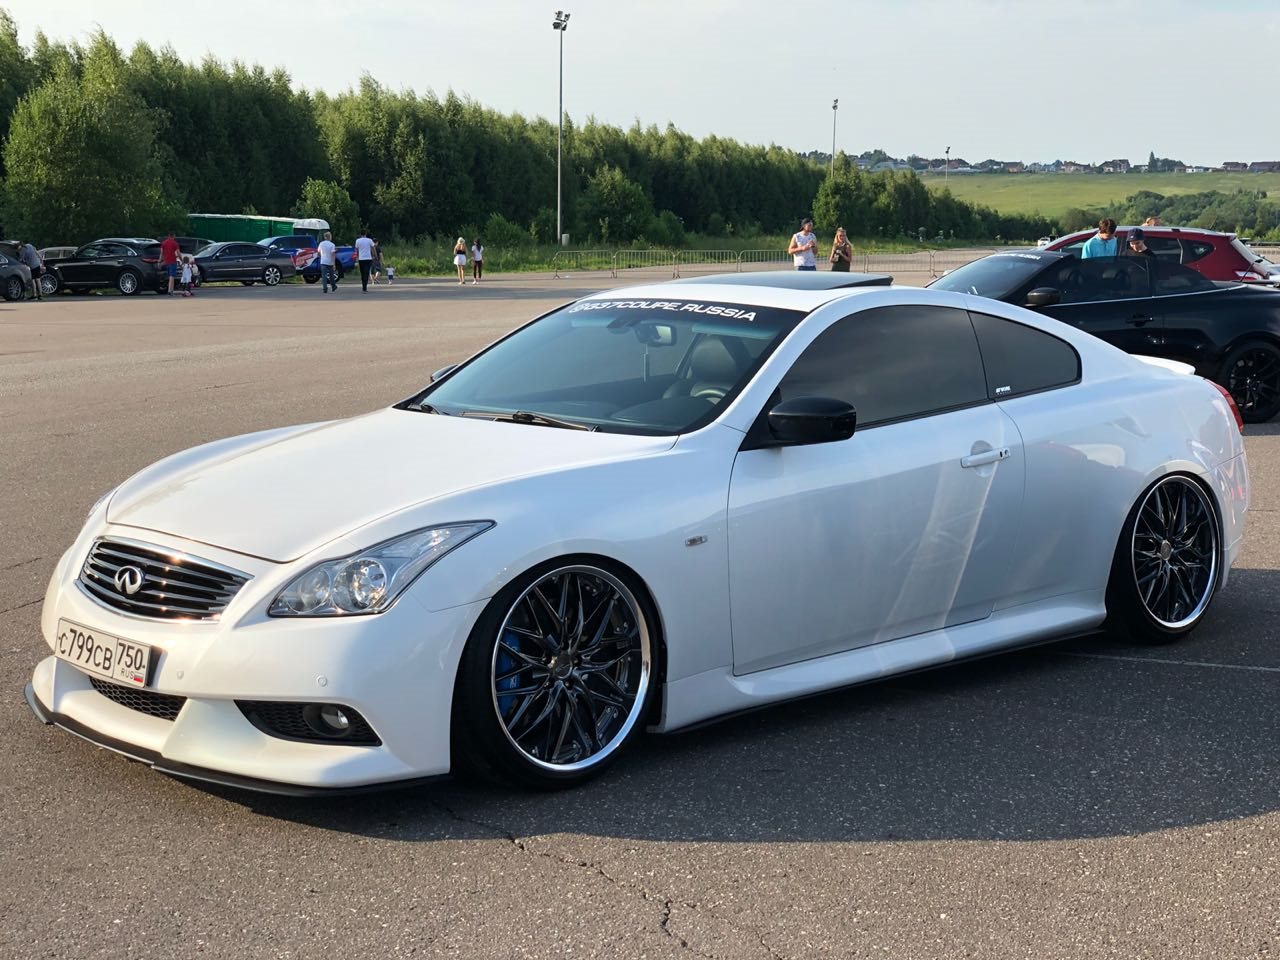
803 244
1138 244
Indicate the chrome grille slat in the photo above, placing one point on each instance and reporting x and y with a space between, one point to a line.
175 586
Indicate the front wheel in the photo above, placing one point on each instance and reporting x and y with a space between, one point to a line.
129 282
555 677
1166 565
271 276
1251 374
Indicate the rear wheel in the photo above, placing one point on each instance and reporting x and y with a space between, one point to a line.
1251 374
555 678
49 283
129 282
1166 565
271 276
310 277
14 288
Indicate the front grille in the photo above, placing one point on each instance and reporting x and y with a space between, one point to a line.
162 705
289 721
173 586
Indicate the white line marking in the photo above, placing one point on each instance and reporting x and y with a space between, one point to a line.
1174 663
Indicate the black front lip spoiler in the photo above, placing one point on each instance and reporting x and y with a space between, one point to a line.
203 774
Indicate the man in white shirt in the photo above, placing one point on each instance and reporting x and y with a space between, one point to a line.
364 255
328 254
802 246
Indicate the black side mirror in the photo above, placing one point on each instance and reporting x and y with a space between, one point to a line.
1044 297
443 372
803 420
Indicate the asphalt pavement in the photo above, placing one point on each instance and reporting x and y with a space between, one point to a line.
1081 800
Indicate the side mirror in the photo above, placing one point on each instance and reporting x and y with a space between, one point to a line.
803 420
443 372
1044 297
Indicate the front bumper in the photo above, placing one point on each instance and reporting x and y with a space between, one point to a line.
396 669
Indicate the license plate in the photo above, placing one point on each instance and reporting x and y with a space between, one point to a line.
93 651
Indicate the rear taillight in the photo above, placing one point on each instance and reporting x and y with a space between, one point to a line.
1231 402
150 259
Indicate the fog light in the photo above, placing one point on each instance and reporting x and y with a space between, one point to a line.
327 720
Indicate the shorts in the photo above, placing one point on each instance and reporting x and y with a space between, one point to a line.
171 269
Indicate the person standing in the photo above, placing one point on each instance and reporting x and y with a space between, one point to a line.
29 255
1153 222
841 252
364 256
188 278
327 251
1138 244
1102 244
169 259
377 260
460 260
477 260
803 244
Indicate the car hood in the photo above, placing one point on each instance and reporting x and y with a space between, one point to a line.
280 495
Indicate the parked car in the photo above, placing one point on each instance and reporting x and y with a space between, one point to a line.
1230 332
129 264
247 262
647 508
15 278
192 245
1218 256
56 253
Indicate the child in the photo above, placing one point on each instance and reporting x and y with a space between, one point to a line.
391 274
188 277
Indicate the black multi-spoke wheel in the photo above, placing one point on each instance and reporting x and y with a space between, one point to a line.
1251 374
1166 567
556 676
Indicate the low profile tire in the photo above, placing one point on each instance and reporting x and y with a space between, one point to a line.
1251 374
49 284
129 282
1166 566
555 678
271 276
14 288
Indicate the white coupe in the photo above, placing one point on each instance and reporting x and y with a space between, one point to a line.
644 509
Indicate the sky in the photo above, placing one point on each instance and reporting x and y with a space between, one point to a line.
1084 80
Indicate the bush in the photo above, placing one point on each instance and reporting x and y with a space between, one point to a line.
501 232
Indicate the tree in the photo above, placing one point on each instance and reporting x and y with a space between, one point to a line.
15 73
80 163
613 208
329 201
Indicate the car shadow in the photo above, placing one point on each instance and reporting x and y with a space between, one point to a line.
1080 739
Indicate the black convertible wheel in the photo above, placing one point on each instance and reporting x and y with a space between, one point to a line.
1251 374
1166 566
555 677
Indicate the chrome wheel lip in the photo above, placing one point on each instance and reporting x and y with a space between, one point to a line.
642 685
1165 550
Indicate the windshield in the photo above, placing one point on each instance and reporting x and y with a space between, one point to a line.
995 276
210 251
1260 263
621 366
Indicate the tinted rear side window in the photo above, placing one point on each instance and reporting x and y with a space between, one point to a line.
1195 250
893 363
1020 359
1170 278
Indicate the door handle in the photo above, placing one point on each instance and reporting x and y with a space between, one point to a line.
1139 319
982 459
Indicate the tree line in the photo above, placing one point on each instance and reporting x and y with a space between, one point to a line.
1247 212
98 141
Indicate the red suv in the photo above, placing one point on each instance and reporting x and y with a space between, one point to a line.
1218 256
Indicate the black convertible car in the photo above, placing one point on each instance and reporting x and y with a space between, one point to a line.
1229 332
247 262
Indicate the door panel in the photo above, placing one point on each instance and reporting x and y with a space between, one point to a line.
841 545
1109 297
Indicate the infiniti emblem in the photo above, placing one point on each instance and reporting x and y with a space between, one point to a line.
129 580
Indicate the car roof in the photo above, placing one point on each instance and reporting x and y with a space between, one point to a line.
125 240
1154 231
762 293
795 279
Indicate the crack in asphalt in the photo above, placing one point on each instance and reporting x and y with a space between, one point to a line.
22 605
21 563
665 904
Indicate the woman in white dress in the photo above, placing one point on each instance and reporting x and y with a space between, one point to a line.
460 259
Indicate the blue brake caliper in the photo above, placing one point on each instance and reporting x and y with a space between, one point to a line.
504 663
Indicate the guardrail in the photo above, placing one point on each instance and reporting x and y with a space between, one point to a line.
666 264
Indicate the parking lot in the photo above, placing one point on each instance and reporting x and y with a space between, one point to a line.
1081 800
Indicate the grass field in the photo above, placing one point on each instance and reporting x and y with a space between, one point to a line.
1052 194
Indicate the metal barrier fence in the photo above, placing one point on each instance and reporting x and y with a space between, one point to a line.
639 264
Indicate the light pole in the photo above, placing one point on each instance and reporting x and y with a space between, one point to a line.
946 170
835 105
560 25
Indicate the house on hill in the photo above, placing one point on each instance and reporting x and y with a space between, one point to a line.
1265 166
1234 166
1115 166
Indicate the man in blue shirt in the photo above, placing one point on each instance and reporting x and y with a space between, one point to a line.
1104 244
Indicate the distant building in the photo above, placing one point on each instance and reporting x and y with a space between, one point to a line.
1265 166
1070 166
1235 166
1115 166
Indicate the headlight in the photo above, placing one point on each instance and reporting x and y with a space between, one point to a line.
370 581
